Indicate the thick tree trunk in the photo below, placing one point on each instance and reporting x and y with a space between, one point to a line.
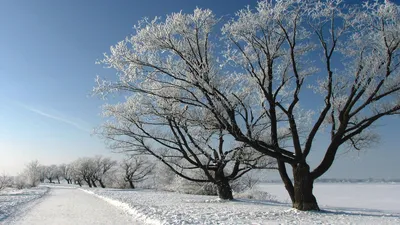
304 198
58 180
131 184
102 184
224 189
94 183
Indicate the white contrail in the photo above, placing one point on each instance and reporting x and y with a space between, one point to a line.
58 118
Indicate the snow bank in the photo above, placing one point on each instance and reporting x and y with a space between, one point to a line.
173 208
13 200
137 214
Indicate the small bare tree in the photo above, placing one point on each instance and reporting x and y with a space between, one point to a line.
249 181
136 169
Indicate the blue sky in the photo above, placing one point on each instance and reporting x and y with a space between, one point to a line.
48 51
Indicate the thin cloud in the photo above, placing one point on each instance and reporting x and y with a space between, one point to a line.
54 117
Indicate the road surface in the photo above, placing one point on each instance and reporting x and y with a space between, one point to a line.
71 206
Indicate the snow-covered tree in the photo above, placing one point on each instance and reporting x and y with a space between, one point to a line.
66 171
85 169
185 147
42 173
277 44
102 166
57 173
135 169
5 181
162 177
180 80
31 174
75 174
52 173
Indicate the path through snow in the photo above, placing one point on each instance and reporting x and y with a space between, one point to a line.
72 206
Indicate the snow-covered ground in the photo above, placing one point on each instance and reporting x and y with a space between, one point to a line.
71 206
13 201
341 204
173 208
373 197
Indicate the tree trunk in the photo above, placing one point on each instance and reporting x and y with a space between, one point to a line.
58 179
89 183
286 179
94 183
224 189
102 184
303 188
131 184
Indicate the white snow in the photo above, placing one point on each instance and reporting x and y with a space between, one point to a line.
65 206
378 197
341 204
125 207
14 201
174 208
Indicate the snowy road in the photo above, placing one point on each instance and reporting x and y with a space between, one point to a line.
65 206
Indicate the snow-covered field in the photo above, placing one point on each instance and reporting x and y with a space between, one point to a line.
341 204
372 197
13 201
173 208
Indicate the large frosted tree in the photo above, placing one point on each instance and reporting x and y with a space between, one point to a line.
254 83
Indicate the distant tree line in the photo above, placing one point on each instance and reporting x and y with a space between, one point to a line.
93 171
102 172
